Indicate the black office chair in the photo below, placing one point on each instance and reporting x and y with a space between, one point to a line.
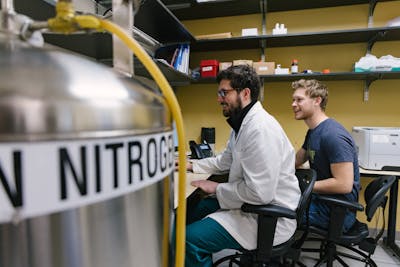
375 197
267 219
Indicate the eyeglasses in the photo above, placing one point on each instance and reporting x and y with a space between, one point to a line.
224 92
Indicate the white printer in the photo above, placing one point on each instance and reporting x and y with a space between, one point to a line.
378 147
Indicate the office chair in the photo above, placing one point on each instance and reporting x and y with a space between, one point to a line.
375 197
267 219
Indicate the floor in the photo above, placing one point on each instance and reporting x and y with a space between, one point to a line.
383 257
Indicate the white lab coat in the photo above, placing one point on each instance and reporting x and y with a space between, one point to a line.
261 165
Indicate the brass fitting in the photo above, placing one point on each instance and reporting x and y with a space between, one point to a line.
64 19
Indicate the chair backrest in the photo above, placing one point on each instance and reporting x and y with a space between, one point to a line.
375 194
306 178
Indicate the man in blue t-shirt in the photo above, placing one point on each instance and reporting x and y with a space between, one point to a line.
328 147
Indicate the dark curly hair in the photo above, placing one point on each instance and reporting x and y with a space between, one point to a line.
241 77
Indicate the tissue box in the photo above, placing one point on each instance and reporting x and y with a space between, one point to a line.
243 62
264 68
209 68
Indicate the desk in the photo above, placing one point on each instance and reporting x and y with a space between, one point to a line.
391 231
190 176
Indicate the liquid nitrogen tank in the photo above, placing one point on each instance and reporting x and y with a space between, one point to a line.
83 153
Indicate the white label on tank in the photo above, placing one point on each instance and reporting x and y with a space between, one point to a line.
380 138
40 178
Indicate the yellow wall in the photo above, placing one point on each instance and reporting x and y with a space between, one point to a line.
198 101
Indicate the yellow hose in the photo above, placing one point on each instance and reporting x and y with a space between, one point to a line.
177 115
166 212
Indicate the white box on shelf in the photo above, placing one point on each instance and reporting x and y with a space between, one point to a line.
249 32
279 29
280 70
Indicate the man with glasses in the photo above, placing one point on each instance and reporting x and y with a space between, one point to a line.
260 160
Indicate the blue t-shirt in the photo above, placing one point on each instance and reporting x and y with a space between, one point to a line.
330 143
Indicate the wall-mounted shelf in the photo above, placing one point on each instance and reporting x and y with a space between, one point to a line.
157 21
300 39
175 77
336 76
190 9
367 77
87 44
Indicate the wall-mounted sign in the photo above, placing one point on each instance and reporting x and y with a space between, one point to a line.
40 178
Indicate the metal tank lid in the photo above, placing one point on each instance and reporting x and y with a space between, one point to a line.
49 94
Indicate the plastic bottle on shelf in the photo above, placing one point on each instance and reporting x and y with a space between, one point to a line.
295 67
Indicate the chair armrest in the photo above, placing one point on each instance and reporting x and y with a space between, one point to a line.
269 210
340 202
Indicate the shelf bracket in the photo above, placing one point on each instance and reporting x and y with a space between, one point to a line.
123 17
372 5
261 97
263 8
373 40
369 80
263 44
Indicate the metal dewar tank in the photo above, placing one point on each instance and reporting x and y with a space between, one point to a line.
83 153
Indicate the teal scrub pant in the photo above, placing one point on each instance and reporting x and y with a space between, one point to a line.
204 236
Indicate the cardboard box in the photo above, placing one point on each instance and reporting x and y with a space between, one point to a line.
243 62
221 35
209 68
224 65
264 68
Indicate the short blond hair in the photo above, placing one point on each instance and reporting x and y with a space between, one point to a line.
314 89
